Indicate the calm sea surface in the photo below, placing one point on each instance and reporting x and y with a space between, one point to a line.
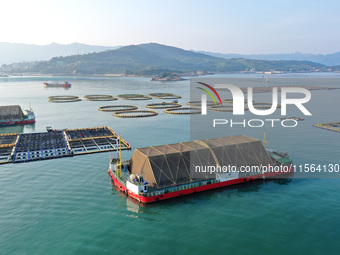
68 206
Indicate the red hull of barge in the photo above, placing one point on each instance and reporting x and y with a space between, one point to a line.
174 194
21 122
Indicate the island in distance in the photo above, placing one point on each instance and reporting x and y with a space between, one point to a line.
167 77
175 77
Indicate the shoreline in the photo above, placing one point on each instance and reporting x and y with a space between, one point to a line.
152 76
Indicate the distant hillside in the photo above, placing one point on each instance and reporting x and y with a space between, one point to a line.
152 58
19 52
328 59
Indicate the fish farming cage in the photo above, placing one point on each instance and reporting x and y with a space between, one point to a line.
5 154
38 146
88 133
26 147
91 140
333 126
8 140
7 144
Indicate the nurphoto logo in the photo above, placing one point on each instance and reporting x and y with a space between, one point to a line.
238 104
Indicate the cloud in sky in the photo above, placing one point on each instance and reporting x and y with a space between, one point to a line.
220 26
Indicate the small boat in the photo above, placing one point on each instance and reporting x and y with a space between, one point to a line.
50 129
66 84
292 118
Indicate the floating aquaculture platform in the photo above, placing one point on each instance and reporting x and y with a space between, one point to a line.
334 126
17 148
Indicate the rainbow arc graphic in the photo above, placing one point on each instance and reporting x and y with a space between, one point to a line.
209 93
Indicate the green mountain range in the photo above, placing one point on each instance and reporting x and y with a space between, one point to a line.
152 58
19 52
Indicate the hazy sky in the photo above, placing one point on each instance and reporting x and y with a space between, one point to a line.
228 26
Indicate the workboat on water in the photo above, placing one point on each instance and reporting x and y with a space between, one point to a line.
161 172
11 115
66 84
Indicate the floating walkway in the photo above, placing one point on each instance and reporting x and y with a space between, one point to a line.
334 126
17 148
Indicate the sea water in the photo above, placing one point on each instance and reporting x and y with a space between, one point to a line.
68 205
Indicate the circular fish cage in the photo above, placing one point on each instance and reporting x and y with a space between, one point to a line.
135 114
163 105
137 98
63 99
117 108
264 105
169 97
199 103
184 110
224 108
230 101
130 95
100 98
160 94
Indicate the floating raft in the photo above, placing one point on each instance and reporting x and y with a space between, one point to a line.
334 126
55 144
